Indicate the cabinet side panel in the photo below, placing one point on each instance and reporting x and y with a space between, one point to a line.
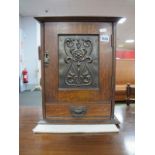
113 68
42 69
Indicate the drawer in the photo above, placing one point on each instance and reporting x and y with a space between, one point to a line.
78 111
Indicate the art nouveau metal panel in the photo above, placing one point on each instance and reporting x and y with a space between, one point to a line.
78 61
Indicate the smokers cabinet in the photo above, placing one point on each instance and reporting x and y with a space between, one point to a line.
78 69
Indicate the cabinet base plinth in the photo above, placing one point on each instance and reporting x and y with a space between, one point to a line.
106 121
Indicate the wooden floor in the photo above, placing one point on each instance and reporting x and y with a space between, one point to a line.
121 143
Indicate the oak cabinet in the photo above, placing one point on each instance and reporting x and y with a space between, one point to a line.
78 69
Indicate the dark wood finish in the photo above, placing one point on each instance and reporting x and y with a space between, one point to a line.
78 19
65 110
52 30
130 94
42 49
85 120
52 94
113 68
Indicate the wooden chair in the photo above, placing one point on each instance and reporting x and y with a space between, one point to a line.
130 94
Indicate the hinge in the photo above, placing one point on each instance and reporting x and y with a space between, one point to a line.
39 53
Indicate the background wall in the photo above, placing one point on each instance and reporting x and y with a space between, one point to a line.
29 42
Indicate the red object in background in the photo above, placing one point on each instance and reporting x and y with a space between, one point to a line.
125 54
25 76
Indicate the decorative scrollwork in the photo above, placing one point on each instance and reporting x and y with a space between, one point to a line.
78 53
78 61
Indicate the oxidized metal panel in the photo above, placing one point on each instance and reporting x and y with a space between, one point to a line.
78 61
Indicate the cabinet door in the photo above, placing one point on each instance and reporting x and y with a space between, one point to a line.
79 68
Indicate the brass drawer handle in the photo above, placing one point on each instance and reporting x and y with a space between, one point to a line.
78 111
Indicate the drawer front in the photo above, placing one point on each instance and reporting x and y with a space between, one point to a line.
78 111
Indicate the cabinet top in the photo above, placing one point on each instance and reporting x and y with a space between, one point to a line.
78 19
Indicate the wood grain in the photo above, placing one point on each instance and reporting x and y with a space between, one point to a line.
51 28
42 49
78 19
64 110
121 143
52 92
